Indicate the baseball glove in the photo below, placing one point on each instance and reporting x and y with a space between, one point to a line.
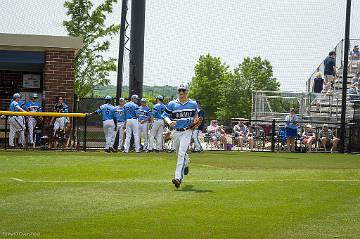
197 122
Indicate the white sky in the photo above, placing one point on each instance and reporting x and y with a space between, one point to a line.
295 35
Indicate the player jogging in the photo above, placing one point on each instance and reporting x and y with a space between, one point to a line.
32 106
144 119
182 114
131 110
16 122
120 123
157 125
107 112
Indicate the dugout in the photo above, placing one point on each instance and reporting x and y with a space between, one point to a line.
37 64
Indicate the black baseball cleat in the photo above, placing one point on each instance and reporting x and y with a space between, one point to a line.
113 150
176 182
186 170
107 151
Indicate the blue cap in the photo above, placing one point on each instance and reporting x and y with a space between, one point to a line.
16 96
143 100
159 97
108 97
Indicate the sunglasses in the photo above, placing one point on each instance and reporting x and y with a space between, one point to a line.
181 90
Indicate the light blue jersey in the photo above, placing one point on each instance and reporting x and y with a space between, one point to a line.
33 106
107 111
14 106
131 110
144 112
291 121
119 114
158 110
183 114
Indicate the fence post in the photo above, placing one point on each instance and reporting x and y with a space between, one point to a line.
85 132
6 135
273 136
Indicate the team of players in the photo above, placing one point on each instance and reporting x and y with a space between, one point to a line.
19 124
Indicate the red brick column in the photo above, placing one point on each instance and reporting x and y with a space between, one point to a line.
58 78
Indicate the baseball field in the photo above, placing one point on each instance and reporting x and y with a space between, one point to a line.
226 195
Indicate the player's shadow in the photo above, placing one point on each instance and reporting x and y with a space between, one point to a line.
190 188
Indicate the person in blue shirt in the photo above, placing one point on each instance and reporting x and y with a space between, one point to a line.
330 70
131 110
157 125
16 123
291 127
144 118
32 106
120 123
197 144
180 114
107 112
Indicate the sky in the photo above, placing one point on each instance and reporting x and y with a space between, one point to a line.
294 35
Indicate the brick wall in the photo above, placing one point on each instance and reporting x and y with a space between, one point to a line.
58 78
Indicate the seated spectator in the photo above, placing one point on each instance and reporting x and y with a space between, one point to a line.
308 137
291 128
355 84
241 132
355 58
217 134
327 138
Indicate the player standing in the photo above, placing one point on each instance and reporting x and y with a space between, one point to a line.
157 121
144 119
131 110
16 122
120 123
107 112
201 114
181 114
32 106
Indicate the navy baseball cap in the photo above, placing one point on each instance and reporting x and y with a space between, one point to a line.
143 100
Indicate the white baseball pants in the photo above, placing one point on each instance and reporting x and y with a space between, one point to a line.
197 142
31 122
132 127
17 125
109 128
143 128
181 142
119 129
157 131
60 124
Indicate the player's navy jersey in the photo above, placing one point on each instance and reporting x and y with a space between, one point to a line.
158 110
107 111
119 114
201 114
144 112
183 114
33 106
14 106
131 110
61 108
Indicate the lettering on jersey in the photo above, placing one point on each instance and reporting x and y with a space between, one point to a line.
183 114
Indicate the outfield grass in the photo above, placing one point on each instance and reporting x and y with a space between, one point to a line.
226 195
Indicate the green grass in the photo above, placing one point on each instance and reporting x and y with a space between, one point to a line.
226 195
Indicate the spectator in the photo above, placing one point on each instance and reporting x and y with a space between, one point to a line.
330 70
318 87
291 121
355 58
355 84
217 134
241 132
308 137
327 138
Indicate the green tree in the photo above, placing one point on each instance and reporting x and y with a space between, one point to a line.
87 21
236 96
206 85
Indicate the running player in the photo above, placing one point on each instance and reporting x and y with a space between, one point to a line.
181 113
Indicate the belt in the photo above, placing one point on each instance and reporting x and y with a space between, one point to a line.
182 129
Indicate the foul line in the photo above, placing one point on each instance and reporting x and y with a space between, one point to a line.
188 181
